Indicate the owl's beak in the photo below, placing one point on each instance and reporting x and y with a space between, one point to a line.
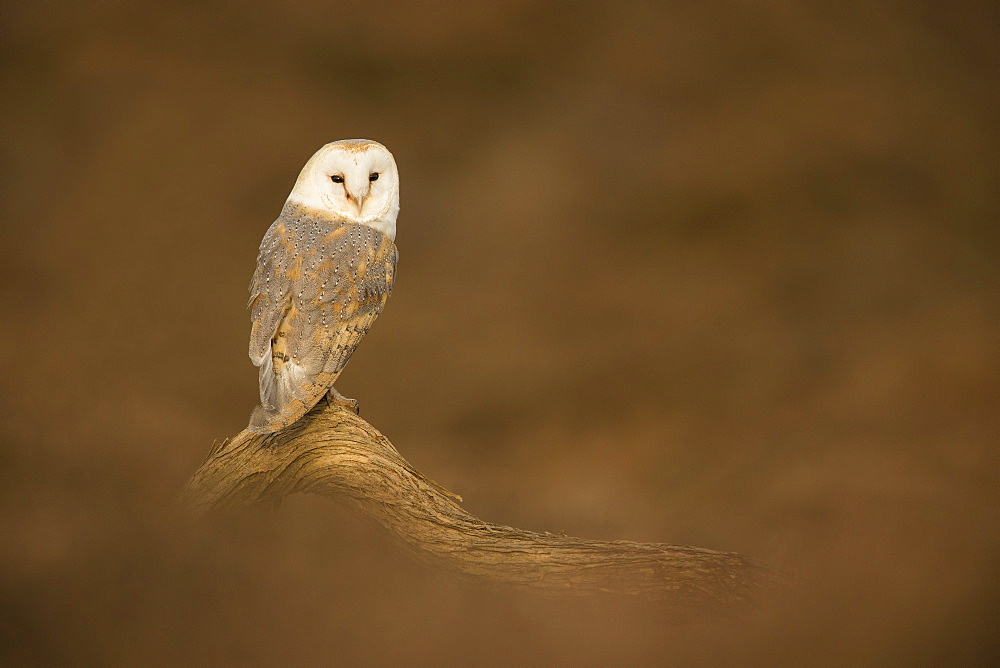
358 198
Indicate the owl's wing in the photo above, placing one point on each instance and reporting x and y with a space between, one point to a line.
316 292
269 290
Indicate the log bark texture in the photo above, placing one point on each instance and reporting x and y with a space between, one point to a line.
335 453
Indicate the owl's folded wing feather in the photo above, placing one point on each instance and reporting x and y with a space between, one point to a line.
269 290
323 298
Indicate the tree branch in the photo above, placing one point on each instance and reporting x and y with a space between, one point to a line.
333 452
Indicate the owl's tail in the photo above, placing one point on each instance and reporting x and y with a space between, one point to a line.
287 395
263 421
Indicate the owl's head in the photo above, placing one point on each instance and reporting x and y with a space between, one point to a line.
354 180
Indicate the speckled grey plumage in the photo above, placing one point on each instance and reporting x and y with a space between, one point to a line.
318 287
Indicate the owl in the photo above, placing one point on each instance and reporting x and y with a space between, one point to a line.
324 271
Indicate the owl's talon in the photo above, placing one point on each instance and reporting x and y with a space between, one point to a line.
333 397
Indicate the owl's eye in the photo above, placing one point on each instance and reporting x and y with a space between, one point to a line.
337 178
373 176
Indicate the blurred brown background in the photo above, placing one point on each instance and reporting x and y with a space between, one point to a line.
712 274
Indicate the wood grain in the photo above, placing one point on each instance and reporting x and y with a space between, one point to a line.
337 454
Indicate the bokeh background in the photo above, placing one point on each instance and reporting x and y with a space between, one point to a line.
715 274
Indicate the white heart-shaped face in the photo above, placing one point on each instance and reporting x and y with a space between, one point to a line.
353 180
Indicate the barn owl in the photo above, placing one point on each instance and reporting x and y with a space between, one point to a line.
324 271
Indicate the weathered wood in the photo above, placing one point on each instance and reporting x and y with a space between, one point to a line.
335 453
